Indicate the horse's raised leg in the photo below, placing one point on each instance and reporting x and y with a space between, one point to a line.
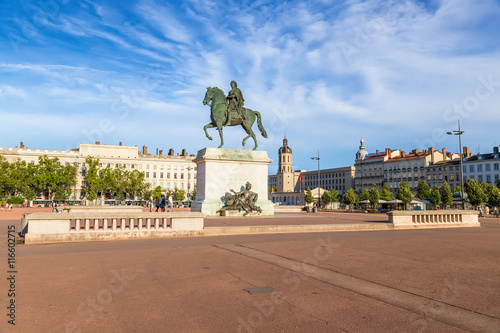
205 129
247 126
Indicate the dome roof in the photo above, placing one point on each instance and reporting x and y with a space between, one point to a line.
361 154
285 148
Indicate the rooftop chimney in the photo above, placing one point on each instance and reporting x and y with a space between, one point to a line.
145 150
467 152
444 154
378 151
388 152
156 151
98 142
21 145
171 152
161 152
120 143
184 153
403 153
495 149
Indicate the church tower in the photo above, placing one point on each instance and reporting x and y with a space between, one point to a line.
285 179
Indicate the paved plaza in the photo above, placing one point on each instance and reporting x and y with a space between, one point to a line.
436 280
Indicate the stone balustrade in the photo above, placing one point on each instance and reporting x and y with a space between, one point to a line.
433 219
70 227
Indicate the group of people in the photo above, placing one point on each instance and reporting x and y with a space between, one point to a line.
8 206
161 202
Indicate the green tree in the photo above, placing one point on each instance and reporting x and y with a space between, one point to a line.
474 192
326 198
423 190
495 197
308 198
487 188
92 179
404 193
364 195
47 176
446 195
435 196
386 194
192 195
179 195
334 194
157 192
350 198
373 195
498 182
456 189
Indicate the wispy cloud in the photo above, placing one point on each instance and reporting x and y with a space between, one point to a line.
384 70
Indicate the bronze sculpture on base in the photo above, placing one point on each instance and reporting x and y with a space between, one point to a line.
229 111
244 200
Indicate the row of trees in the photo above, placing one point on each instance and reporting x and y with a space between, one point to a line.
114 182
56 181
177 194
48 177
477 194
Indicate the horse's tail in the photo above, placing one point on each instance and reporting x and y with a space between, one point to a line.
259 124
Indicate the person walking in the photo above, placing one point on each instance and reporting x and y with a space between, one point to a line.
170 203
162 203
480 212
157 204
151 203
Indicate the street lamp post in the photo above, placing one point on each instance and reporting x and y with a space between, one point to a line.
319 196
188 187
459 133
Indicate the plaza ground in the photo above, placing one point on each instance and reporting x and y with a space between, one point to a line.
437 280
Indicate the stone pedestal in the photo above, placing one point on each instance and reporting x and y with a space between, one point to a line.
219 170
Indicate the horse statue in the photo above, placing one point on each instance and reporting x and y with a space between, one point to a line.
219 114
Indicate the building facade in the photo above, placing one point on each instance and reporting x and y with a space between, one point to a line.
393 167
483 167
291 185
168 171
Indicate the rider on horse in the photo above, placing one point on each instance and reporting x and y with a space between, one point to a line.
235 98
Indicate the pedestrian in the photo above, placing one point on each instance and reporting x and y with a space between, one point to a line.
10 207
162 203
2 206
151 203
496 212
487 210
157 204
480 212
170 203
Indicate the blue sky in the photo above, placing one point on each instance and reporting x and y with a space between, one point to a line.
397 73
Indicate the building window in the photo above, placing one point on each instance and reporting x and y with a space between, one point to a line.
161 174
480 178
161 167
132 166
479 168
168 167
488 179
147 166
495 166
147 174
182 175
117 165
154 174
488 167
168 175
471 168
154 167
175 175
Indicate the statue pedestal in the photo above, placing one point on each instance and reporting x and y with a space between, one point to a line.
219 170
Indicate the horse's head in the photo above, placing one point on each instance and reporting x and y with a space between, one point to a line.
208 96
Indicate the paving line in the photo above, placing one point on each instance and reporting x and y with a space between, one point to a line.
449 314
